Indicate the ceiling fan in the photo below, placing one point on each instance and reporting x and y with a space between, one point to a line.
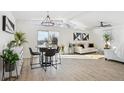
100 24
104 24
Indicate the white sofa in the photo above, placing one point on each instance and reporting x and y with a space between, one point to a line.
80 50
111 55
116 52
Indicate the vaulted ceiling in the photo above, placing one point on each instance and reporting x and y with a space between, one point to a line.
87 18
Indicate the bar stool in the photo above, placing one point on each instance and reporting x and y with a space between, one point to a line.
42 50
49 54
32 55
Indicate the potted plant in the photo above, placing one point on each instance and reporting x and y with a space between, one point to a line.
10 58
106 38
11 44
62 49
19 38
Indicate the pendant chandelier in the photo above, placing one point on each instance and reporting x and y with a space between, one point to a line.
47 21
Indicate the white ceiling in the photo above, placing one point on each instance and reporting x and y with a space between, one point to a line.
88 18
30 15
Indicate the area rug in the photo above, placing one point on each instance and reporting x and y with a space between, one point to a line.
86 56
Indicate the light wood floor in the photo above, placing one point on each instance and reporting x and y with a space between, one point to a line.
75 70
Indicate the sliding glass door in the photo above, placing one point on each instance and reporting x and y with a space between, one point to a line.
42 37
47 37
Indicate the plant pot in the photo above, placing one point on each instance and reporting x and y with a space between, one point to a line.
9 67
106 46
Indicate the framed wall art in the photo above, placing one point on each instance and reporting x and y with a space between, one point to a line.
80 36
7 25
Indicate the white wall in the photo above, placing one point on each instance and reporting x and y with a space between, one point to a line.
30 28
117 36
98 36
4 36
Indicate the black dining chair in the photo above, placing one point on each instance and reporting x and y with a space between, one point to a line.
49 54
32 56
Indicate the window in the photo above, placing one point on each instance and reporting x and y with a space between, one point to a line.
47 37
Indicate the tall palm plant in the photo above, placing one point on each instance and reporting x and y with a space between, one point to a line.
20 38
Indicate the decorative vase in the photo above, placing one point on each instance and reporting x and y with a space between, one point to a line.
106 46
62 49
